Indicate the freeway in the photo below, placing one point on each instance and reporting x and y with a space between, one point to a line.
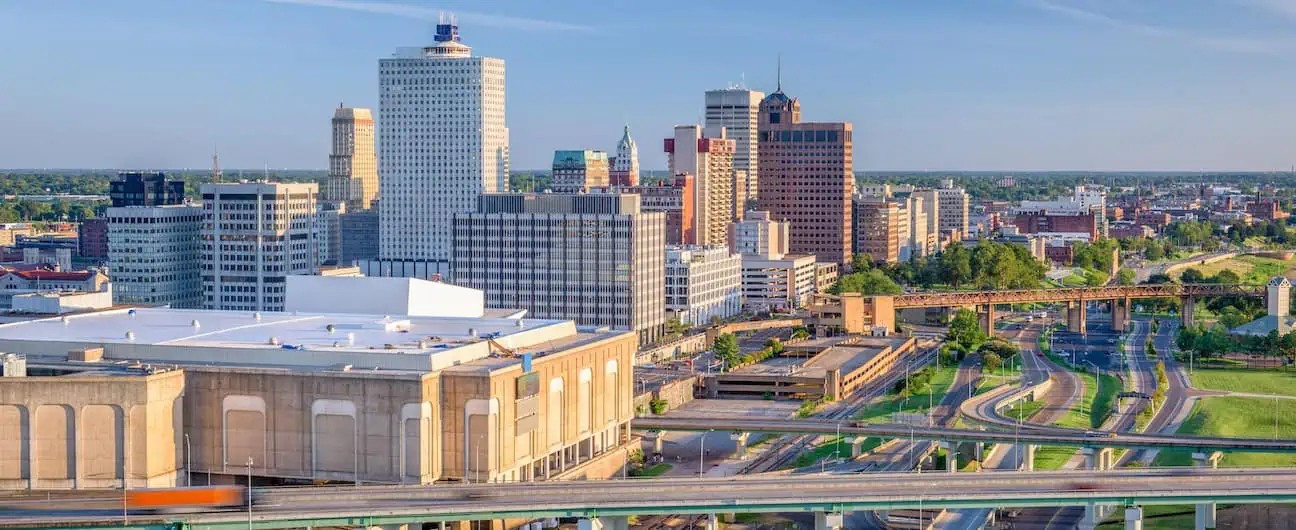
1057 437
376 505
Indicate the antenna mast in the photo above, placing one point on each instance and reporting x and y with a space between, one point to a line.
216 169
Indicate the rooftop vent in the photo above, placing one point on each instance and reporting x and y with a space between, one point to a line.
274 341
131 313
66 320
472 332
519 324
130 335
351 339
256 315
194 324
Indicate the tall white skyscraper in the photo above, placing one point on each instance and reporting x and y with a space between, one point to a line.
738 110
442 143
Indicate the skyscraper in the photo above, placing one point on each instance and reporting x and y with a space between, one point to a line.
737 110
709 157
625 166
253 236
806 177
442 143
153 252
353 166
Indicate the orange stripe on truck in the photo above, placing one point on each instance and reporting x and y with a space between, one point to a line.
176 497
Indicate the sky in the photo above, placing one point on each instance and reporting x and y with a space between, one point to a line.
1194 85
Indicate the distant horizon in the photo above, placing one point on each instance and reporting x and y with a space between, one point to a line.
252 172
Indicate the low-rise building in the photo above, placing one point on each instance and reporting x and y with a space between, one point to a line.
92 238
826 274
702 283
777 284
296 398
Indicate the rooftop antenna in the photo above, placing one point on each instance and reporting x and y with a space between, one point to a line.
216 170
742 80
266 174
778 77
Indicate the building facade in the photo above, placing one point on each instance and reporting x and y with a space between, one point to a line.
92 238
138 188
778 284
672 197
442 143
806 177
737 110
880 229
359 236
597 259
625 165
707 155
253 236
578 171
353 164
154 255
952 211
758 235
328 232
702 283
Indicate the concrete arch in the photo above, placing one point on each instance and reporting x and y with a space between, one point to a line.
611 391
335 438
585 401
15 452
243 431
54 433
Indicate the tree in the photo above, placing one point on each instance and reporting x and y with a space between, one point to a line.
725 348
1000 347
956 265
990 361
861 262
869 282
1125 276
965 329
1154 253
775 346
1226 277
674 327
1192 276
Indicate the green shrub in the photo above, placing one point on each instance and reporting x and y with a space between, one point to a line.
658 406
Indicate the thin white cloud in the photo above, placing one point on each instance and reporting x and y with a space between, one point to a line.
1227 44
426 13
1285 8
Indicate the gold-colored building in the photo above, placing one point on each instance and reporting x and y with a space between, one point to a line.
353 163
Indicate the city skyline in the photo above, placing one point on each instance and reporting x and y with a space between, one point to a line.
1007 85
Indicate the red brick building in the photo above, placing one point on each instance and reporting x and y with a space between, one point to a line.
674 197
806 175
1040 222
1158 220
92 238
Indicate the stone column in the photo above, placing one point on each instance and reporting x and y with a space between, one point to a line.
828 521
951 456
658 439
1097 458
857 445
1028 460
1187 313
1205 512
1120 314
711 523
987 314
1076 316
741 438
980 455
604 523
1092 517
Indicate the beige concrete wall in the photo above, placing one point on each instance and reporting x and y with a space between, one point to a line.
89 432
688 344
320 426
676 394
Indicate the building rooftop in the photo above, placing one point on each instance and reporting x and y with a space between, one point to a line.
293 341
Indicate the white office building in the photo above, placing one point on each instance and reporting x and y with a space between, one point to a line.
442 143
702 283
153 255
738 110
254 236
952 209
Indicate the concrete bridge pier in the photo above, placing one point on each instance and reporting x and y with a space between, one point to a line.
857 445
987 314
712 523
1120 314
1027 457
388 527
1099 459
604 523
1093 516
828 521
1205 512
1076 316
951 456
1133 518
741 439
659 438
1187 310
980 454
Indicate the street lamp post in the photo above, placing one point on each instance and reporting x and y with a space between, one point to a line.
188 462
249 492
839 441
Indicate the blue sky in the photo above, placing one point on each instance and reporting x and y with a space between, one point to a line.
929 84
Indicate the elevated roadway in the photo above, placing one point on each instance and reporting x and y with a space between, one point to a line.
1056 436
367 506
1069 294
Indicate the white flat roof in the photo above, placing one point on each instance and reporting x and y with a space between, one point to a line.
302 339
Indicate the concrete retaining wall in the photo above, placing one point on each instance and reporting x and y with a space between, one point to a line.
671 350
1031 393
1205 261
676 394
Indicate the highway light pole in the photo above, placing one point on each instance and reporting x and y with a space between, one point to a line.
249 492
188 462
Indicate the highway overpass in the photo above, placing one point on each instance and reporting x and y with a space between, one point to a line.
1031 437
367 506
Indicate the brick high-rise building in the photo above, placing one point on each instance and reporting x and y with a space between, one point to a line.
92 238
709 157
353 164
578 171
880 228
806 177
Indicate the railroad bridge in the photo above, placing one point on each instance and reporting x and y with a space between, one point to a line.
857 313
